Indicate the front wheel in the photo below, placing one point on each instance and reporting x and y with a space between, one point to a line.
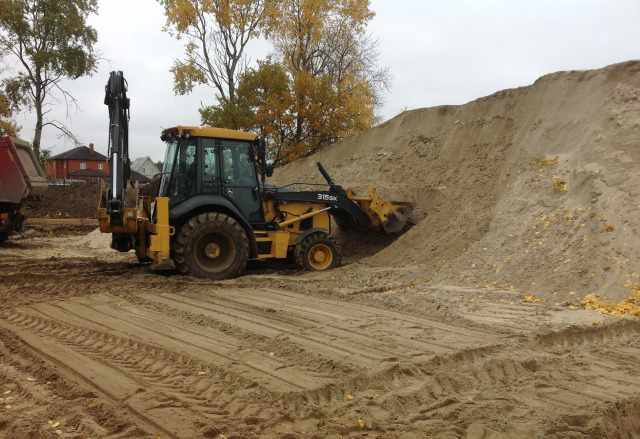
211 245
317 252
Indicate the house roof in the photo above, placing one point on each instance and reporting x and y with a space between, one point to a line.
145 166
79 153
141 161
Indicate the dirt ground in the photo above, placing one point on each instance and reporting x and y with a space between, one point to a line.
474 324
94 345
75 201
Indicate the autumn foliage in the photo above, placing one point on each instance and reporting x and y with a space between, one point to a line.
321 84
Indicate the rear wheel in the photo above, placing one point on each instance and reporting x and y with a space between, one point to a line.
211 245
317 252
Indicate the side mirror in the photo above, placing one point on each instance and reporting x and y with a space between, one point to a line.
268 169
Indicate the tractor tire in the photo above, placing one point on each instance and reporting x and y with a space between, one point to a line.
212 246
317 252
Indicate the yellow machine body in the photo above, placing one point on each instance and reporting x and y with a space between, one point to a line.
143 224
289 216
214 179
153 238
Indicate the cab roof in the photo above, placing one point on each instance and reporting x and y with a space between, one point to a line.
217 133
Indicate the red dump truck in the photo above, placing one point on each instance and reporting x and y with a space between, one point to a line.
21 176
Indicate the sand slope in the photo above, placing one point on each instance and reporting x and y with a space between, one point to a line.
535 188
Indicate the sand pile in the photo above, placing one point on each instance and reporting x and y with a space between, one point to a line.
535 188
93 240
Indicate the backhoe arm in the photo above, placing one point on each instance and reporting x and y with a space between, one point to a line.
118 102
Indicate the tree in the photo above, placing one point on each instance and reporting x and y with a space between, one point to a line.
7 127
265 94
51 41
324 84
217 33
43 157
332 63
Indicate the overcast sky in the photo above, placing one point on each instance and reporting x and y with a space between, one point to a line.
439 52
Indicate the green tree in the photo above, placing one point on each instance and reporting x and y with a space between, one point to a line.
7 126
51 41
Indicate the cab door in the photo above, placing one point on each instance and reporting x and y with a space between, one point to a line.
239 179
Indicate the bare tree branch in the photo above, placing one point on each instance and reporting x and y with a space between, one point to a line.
65 132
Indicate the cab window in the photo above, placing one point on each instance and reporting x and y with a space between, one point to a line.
184 184
210 172
238 168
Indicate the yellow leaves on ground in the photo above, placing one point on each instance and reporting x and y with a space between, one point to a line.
547 161
530 298
559 184
628 307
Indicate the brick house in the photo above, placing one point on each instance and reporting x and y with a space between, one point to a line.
78 163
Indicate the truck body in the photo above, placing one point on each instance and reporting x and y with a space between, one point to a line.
21 176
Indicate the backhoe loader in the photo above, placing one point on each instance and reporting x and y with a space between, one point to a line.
214 210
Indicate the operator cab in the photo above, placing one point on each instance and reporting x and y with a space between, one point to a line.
209 163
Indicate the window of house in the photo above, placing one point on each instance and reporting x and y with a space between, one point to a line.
101 166
83 165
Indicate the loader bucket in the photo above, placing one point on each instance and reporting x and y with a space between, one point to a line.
389 217
397 220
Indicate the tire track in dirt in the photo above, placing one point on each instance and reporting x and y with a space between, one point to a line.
151 382
216 381
317 311
520 385
344 332
518 318
33 391
208 345
31 400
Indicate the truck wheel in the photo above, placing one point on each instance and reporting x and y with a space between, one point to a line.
211 245
317 252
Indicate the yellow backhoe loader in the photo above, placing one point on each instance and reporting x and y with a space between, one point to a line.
214 210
